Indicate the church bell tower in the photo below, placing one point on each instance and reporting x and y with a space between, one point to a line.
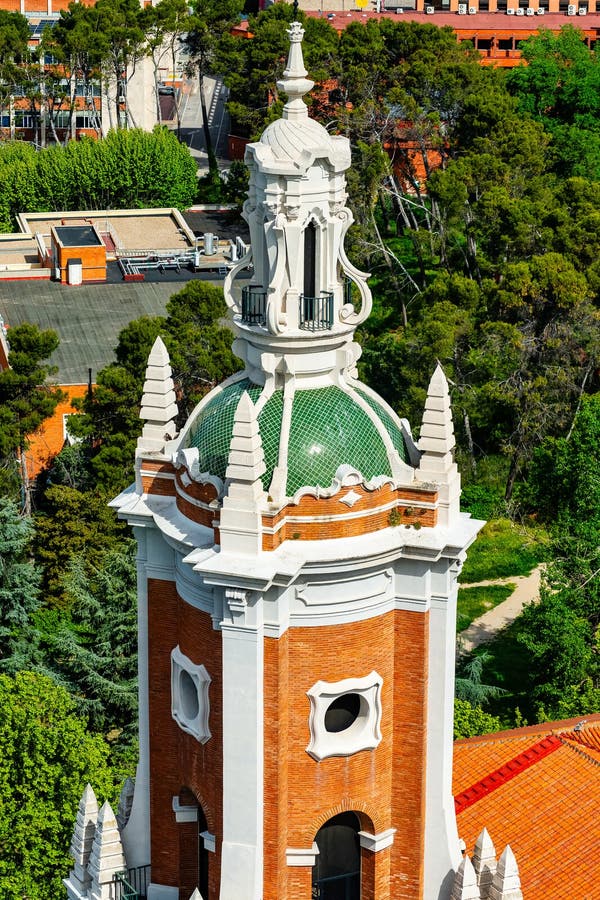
298 556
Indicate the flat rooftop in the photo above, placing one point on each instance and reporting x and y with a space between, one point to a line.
131 229
87 318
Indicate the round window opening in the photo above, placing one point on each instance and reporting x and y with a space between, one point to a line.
188 691
342 713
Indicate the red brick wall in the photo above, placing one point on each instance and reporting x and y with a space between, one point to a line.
385 786
178 760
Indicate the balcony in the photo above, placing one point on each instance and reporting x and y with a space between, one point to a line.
316 313
254 305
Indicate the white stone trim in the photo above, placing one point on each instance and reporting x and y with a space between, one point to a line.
300 857
363 734
210 841
184 813
195 720
376 842
162 892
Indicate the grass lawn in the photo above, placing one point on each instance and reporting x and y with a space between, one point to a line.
503 549
474 601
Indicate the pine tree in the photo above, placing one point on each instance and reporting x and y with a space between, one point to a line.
19 590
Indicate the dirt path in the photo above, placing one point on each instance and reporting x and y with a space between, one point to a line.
483 629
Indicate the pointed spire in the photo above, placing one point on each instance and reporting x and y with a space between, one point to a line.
294 81
241 521
484 863
506 884
159 406
125 802
81 844
465 882
437 443
106 858
196 895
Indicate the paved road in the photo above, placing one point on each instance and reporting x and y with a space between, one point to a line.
192 132
487 626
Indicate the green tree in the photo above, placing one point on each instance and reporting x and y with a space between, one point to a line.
198 343
26 400
559 84
470 720
46 758
95 653
71 523
19 589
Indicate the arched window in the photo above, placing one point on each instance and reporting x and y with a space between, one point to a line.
336 873
310 260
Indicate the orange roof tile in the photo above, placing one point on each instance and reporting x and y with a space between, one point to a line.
548 810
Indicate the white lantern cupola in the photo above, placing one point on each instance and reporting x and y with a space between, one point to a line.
304 299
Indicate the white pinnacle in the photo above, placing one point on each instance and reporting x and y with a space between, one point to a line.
437 444
81 844
159 406
106 858
484 862
506 884
241 520
465 882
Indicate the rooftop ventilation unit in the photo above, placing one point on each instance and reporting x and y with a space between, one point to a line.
582 11
472 10
462 9
530 11
571 9
520 11
510 11
430 10
541 11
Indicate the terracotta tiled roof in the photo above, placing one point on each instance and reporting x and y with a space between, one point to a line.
537 789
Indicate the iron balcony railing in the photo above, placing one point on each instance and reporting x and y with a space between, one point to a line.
316 313
254 305
132 884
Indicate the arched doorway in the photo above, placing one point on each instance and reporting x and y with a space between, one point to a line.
193 853
336 873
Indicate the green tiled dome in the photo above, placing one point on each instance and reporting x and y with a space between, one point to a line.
328 429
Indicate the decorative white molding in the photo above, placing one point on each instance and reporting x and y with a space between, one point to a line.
376 842
190 705
184 813
362 733
237 601
345 476
350 499
299 857
210 841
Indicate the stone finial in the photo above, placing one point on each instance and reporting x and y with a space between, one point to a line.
436 443
294 81
484 863
506 884
241 522
78 881
465 882
106 858
125 803
159 406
